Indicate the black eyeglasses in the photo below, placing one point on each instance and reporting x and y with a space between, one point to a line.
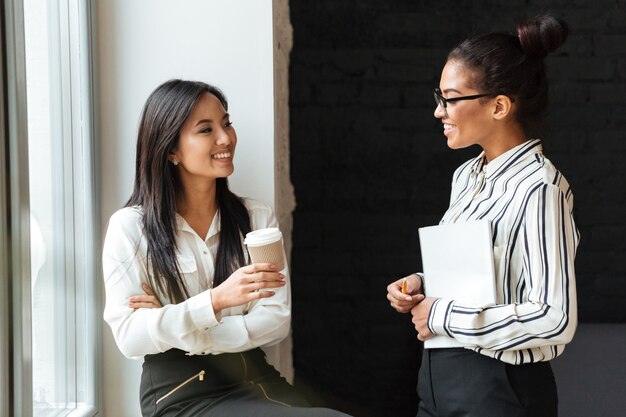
443 102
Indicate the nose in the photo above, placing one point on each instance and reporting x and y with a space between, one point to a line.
440 112
223 138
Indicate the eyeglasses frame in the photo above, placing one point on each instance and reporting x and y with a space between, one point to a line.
443 102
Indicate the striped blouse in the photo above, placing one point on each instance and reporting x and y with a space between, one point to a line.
529 203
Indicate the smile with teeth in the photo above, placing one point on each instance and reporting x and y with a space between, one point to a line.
222 155
448 126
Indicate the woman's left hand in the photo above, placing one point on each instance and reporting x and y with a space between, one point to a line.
420 318
147 300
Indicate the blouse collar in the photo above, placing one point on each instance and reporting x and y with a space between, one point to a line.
214 229
510 158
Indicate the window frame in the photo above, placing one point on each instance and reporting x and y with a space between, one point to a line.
17 243
5 366
76 89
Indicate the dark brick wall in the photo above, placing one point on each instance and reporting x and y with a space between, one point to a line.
370 165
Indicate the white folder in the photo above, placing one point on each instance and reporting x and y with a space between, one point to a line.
458 265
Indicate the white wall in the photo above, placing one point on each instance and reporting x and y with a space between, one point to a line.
140 44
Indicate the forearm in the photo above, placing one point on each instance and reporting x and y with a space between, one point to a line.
504 327
239 333
266 321
147 331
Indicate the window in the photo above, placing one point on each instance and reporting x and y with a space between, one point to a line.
50 209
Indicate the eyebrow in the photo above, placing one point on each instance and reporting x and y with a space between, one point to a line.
225 116
448 90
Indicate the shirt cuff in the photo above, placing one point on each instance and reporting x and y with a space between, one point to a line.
439 317
201 311
421 278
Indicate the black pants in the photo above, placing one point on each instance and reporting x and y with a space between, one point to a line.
463 383
226 385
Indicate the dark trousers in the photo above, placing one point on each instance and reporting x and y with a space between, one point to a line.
226 385
463 383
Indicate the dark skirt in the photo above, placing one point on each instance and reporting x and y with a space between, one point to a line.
461 382
230 384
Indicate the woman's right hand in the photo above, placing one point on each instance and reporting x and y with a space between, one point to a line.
147 300
246 284
403 303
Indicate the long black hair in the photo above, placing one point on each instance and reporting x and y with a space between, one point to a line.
157 184
513 64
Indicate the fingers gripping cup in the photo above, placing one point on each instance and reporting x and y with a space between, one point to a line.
266 245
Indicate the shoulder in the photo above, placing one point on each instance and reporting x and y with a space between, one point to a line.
127 220
261 214
127 215
549 175
124 236
552 179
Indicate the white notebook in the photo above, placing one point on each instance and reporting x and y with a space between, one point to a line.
458 264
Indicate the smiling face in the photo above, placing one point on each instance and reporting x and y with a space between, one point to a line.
467 122
206 143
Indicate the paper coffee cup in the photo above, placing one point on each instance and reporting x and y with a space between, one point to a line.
266 245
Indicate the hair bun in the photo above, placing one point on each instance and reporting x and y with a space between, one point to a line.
541 35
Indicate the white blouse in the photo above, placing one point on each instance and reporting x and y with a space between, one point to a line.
191 325
530 205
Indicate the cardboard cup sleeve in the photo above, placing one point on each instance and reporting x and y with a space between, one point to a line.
266 245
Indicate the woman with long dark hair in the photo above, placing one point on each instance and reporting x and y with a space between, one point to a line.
207 311
493 89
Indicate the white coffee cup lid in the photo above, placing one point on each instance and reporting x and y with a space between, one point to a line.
263 236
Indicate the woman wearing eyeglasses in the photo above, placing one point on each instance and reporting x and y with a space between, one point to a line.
493 88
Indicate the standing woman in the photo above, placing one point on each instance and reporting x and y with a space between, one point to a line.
492 88
180 234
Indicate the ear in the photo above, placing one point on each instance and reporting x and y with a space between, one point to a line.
503 107
172 158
